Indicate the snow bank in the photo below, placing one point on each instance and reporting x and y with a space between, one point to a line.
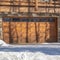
2 43
27 56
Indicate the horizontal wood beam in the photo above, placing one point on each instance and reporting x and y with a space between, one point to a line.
29 6
57 3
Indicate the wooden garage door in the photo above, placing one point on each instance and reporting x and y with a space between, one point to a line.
29 30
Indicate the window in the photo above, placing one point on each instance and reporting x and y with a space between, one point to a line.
6 19
55 0
44 0
16 19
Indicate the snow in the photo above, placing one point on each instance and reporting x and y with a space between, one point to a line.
45 51
2 43
27 56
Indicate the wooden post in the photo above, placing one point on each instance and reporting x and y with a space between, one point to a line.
54 6
36 5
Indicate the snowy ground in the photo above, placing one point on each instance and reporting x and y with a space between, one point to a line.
30 52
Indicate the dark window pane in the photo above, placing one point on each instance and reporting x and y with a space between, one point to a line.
51 19
16 19
7 19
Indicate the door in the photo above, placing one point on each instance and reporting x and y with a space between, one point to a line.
29 30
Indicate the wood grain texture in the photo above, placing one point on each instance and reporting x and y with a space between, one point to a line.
36 32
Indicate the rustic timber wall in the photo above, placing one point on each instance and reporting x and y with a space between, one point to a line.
29 32
33 6
18 25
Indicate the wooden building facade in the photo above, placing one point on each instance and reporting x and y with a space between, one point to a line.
32 6
30 21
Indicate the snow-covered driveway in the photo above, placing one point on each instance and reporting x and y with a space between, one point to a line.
30 52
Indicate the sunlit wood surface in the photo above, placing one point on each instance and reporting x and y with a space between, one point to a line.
36 32
33 5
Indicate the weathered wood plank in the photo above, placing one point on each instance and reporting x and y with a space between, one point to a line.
36 32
